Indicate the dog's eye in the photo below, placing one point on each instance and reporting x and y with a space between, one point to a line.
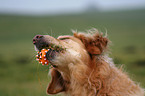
63 38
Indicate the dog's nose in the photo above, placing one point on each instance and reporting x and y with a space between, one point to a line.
36 38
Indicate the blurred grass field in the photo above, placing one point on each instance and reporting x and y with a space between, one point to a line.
21 75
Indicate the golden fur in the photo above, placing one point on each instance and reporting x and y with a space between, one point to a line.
85 69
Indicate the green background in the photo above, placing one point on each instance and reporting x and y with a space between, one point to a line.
21 75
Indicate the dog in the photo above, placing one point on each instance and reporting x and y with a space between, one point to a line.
81 66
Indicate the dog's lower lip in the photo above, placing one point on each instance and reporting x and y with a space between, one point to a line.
51 54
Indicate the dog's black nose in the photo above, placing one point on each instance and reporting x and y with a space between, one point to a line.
36 38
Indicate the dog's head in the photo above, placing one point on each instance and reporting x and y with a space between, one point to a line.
70 57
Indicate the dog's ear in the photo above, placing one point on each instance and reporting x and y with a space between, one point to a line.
57 83
95 43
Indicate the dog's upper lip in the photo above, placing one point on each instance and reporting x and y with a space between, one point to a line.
40 42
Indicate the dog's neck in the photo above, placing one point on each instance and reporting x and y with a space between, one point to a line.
99 80
87 80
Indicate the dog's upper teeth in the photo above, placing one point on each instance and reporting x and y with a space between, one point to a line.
36 49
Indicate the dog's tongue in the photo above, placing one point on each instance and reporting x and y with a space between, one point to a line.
42 58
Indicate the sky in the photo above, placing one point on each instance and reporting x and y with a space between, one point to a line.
65 6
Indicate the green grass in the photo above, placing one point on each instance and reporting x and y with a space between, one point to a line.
21 75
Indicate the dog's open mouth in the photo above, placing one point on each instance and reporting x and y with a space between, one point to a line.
53 49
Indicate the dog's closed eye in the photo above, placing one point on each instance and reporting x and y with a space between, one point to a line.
64 38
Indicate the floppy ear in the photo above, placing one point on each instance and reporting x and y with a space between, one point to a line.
57 83
95 44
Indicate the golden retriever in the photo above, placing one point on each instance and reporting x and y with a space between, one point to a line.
81 66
